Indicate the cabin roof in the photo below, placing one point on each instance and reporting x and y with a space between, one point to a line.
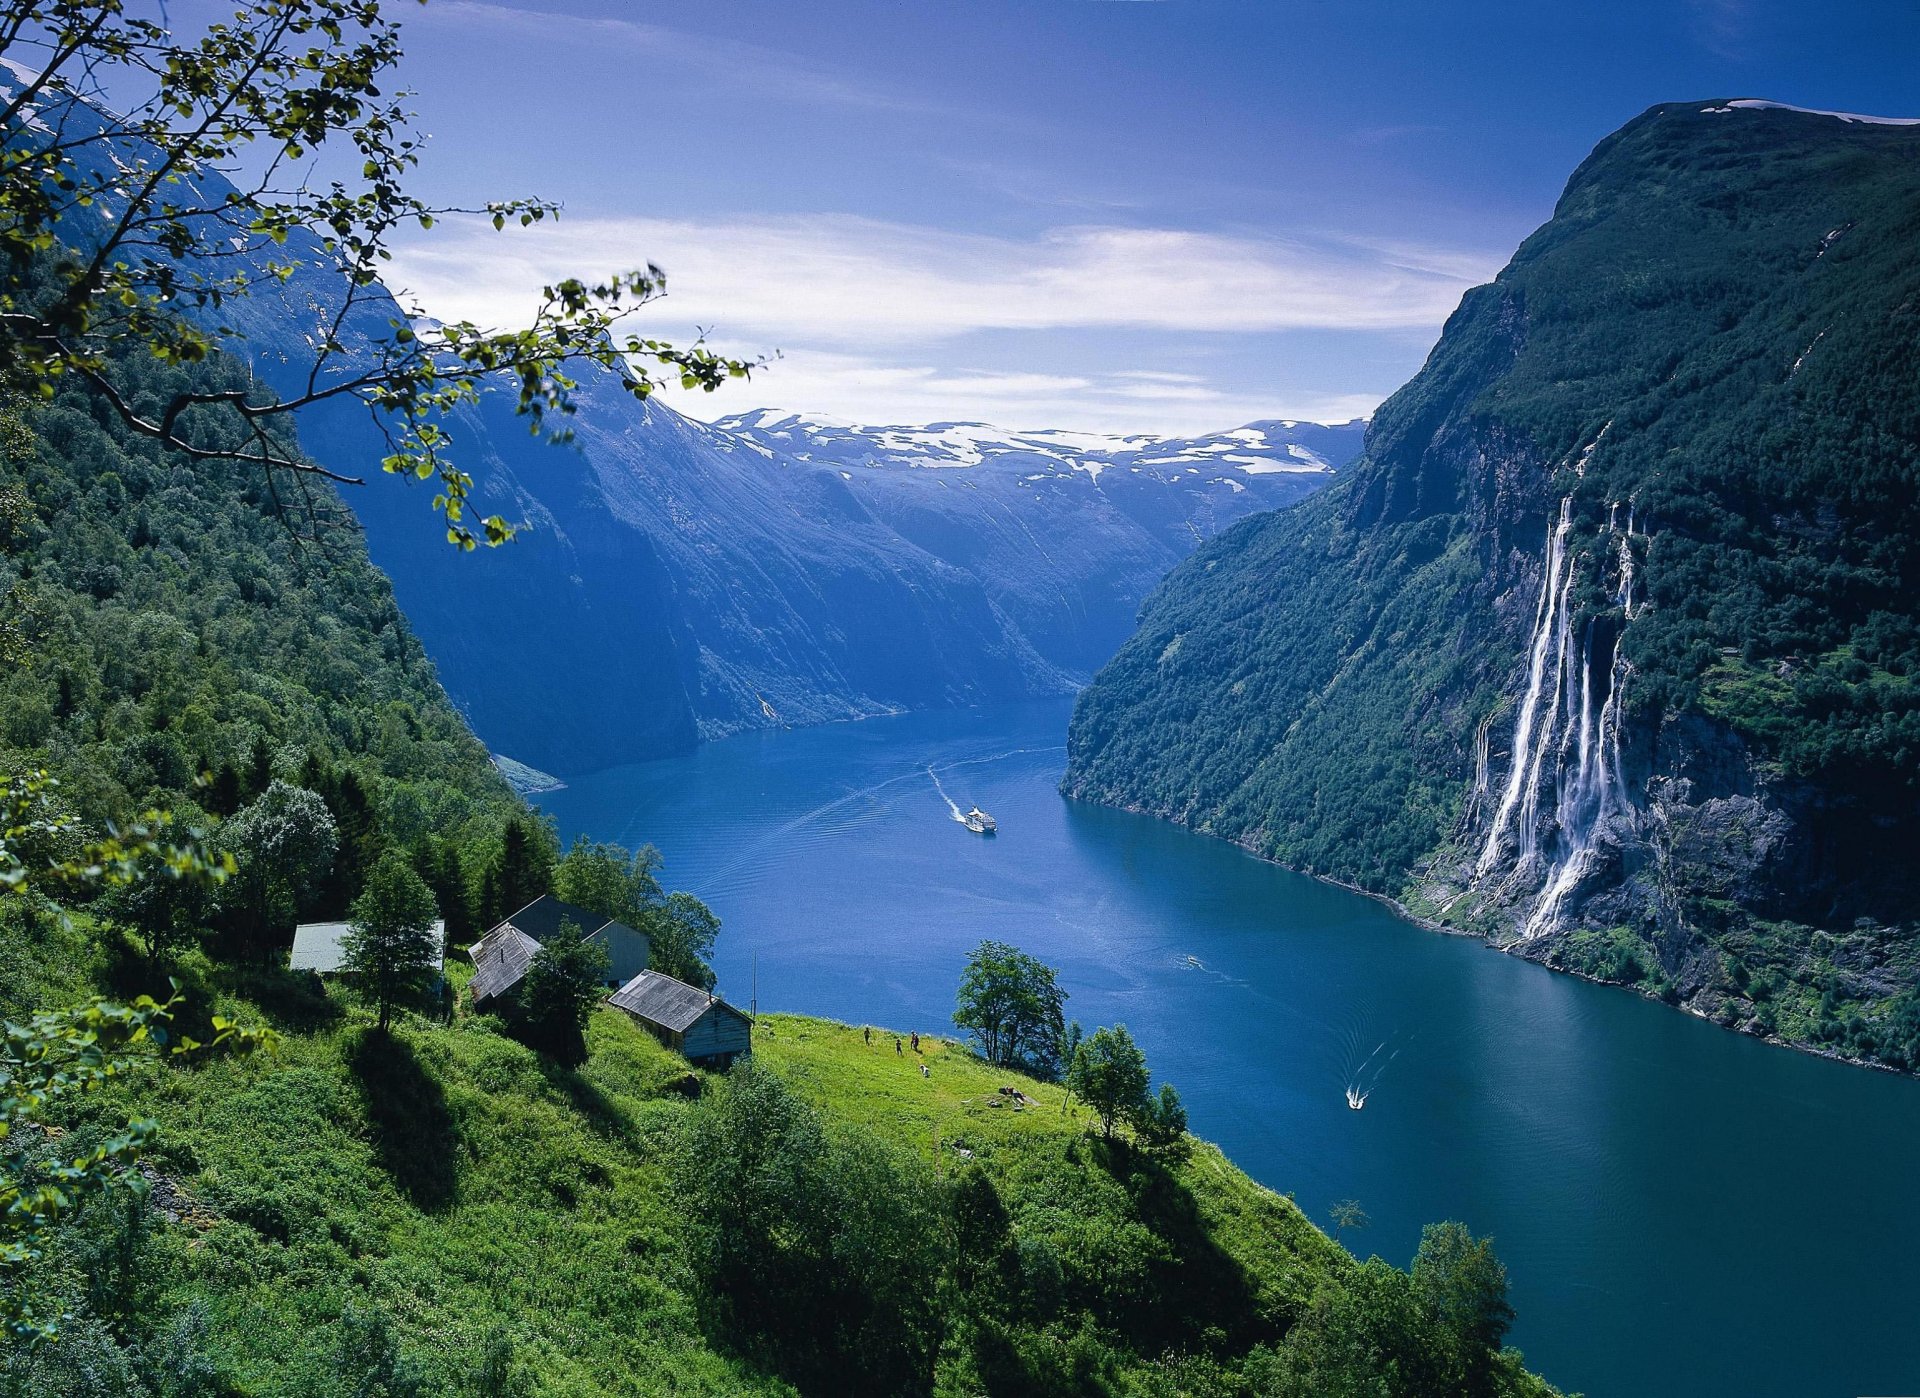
321 946
500 960
671 1004
541 920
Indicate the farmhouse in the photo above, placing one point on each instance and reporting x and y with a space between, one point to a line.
501 958
693 1022
321 947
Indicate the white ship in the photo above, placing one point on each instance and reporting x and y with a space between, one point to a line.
979 822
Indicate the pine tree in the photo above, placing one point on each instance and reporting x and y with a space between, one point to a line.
392 951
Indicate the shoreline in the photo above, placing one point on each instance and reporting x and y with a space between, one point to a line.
1406 914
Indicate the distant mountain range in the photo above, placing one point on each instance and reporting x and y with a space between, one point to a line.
681 581
1065 531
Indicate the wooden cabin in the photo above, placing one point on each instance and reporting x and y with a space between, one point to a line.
696 1024
501 958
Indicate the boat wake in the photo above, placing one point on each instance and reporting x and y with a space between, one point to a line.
1364 1078
952 805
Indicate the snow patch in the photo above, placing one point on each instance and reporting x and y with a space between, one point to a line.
1756 104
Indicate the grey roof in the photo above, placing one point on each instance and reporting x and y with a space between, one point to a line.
500 959
541 918
321 946
662 1000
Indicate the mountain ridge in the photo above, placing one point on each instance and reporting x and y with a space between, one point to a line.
1605 647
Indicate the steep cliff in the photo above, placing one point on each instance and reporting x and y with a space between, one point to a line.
1606 647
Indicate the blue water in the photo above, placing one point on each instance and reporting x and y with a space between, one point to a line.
1682 1210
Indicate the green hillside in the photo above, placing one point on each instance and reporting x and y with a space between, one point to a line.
444 1210
1708 359
447 1212
182 634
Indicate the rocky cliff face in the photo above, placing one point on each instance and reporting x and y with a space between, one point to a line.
1606 648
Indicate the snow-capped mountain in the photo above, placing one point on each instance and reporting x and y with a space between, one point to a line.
1066 532
1258 449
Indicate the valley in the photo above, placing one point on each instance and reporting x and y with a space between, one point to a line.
1293 869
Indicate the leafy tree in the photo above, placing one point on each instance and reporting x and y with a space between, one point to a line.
605 878
1109 1074
819 1252
562 986
367 1360
682 932
149 177
1162 1122
48 1057
1012 1003
283 844
499 1376
392 948
181 1365
984 1260
1464 1288
168 912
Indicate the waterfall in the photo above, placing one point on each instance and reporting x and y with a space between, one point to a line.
1482 767
1567 784
1545 616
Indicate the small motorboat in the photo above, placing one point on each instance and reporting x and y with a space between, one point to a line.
979 822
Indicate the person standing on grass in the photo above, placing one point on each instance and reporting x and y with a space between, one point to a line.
896 1044
867 1034
916 1041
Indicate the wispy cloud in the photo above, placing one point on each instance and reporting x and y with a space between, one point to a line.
856 283
889 322
717 62
1723 27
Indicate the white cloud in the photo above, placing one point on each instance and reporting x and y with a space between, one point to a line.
857 282
872 318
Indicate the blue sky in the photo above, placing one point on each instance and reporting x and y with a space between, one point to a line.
1119 215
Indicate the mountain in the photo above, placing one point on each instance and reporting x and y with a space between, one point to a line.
1606 647
1067 532
680 582
675 581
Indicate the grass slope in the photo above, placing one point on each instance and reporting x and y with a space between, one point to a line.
463 1200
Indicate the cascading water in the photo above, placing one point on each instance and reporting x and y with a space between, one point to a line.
1567 738
1544 619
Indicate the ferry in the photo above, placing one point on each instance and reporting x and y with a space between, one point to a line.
979 822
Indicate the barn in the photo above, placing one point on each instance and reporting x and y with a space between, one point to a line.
693 1022
501 958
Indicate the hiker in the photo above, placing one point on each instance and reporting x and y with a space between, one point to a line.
867 1034
896 1044
923 1071
916 1041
